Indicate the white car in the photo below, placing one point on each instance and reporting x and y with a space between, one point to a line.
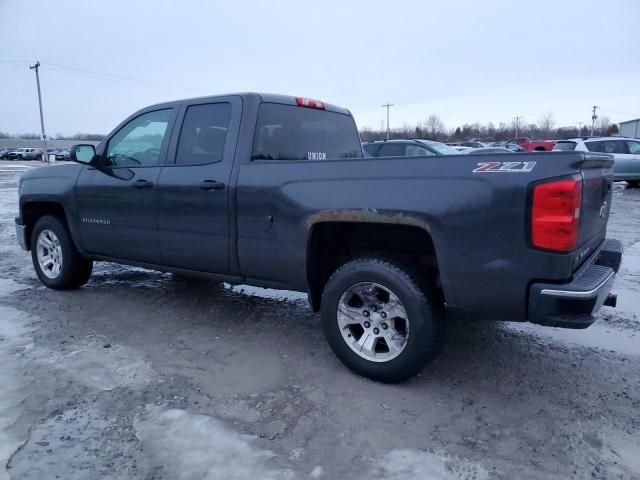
461 148
625 151
20 153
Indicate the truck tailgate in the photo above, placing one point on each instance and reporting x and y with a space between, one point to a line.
597 186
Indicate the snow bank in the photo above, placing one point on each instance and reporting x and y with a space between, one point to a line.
191 446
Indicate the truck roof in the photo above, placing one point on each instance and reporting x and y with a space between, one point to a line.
262 97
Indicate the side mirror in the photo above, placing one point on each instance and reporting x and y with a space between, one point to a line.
82 154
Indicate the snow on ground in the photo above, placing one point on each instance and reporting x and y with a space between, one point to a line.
408 464
140 376
98 364
200 447
288 295
14 339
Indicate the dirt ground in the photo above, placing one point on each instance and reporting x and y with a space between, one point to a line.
140 375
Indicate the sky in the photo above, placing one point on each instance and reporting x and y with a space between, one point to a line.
463 60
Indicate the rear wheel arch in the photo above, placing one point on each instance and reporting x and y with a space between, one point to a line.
366 338
332 244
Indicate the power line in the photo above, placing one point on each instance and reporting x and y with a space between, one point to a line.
94 73
69 69
617 111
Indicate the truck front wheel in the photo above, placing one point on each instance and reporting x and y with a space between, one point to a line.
381 319
56 260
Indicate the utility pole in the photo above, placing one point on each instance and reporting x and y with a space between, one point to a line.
594 117
44 135
388 106
580 128
517 124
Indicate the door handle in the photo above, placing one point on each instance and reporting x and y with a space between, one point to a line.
142 184
211 185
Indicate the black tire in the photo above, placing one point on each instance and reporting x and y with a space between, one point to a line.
633 183
75 269
424 311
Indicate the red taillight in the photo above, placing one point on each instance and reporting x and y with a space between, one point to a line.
555 214
307 102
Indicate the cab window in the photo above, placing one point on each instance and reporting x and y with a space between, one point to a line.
203 134
139 142
286 132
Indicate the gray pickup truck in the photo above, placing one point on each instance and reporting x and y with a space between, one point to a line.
274 191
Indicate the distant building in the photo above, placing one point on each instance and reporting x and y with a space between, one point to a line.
630 128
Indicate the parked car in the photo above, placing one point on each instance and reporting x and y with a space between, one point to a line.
60 154
4 153
32 154
63 154
514 147
277 194
487 150
529 144
19 153
625 151
407 148
460 148
473 144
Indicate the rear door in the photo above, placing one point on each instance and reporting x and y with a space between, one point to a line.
194 186
619 149
631 166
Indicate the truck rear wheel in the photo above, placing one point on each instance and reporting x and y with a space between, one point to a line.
56 260
381 319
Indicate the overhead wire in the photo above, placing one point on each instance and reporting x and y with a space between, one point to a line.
72 70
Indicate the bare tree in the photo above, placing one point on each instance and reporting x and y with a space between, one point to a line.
435 127
602 125
546 124
517 125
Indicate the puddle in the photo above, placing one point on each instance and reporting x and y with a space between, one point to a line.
596 336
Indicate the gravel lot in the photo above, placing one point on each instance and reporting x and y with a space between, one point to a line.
142 375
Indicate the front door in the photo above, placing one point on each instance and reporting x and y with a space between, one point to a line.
117 199
194 187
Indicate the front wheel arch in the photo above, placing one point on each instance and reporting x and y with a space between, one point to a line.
74 270
33 211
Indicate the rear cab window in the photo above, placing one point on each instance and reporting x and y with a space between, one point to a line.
289 132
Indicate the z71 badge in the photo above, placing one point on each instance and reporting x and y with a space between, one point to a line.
504 167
